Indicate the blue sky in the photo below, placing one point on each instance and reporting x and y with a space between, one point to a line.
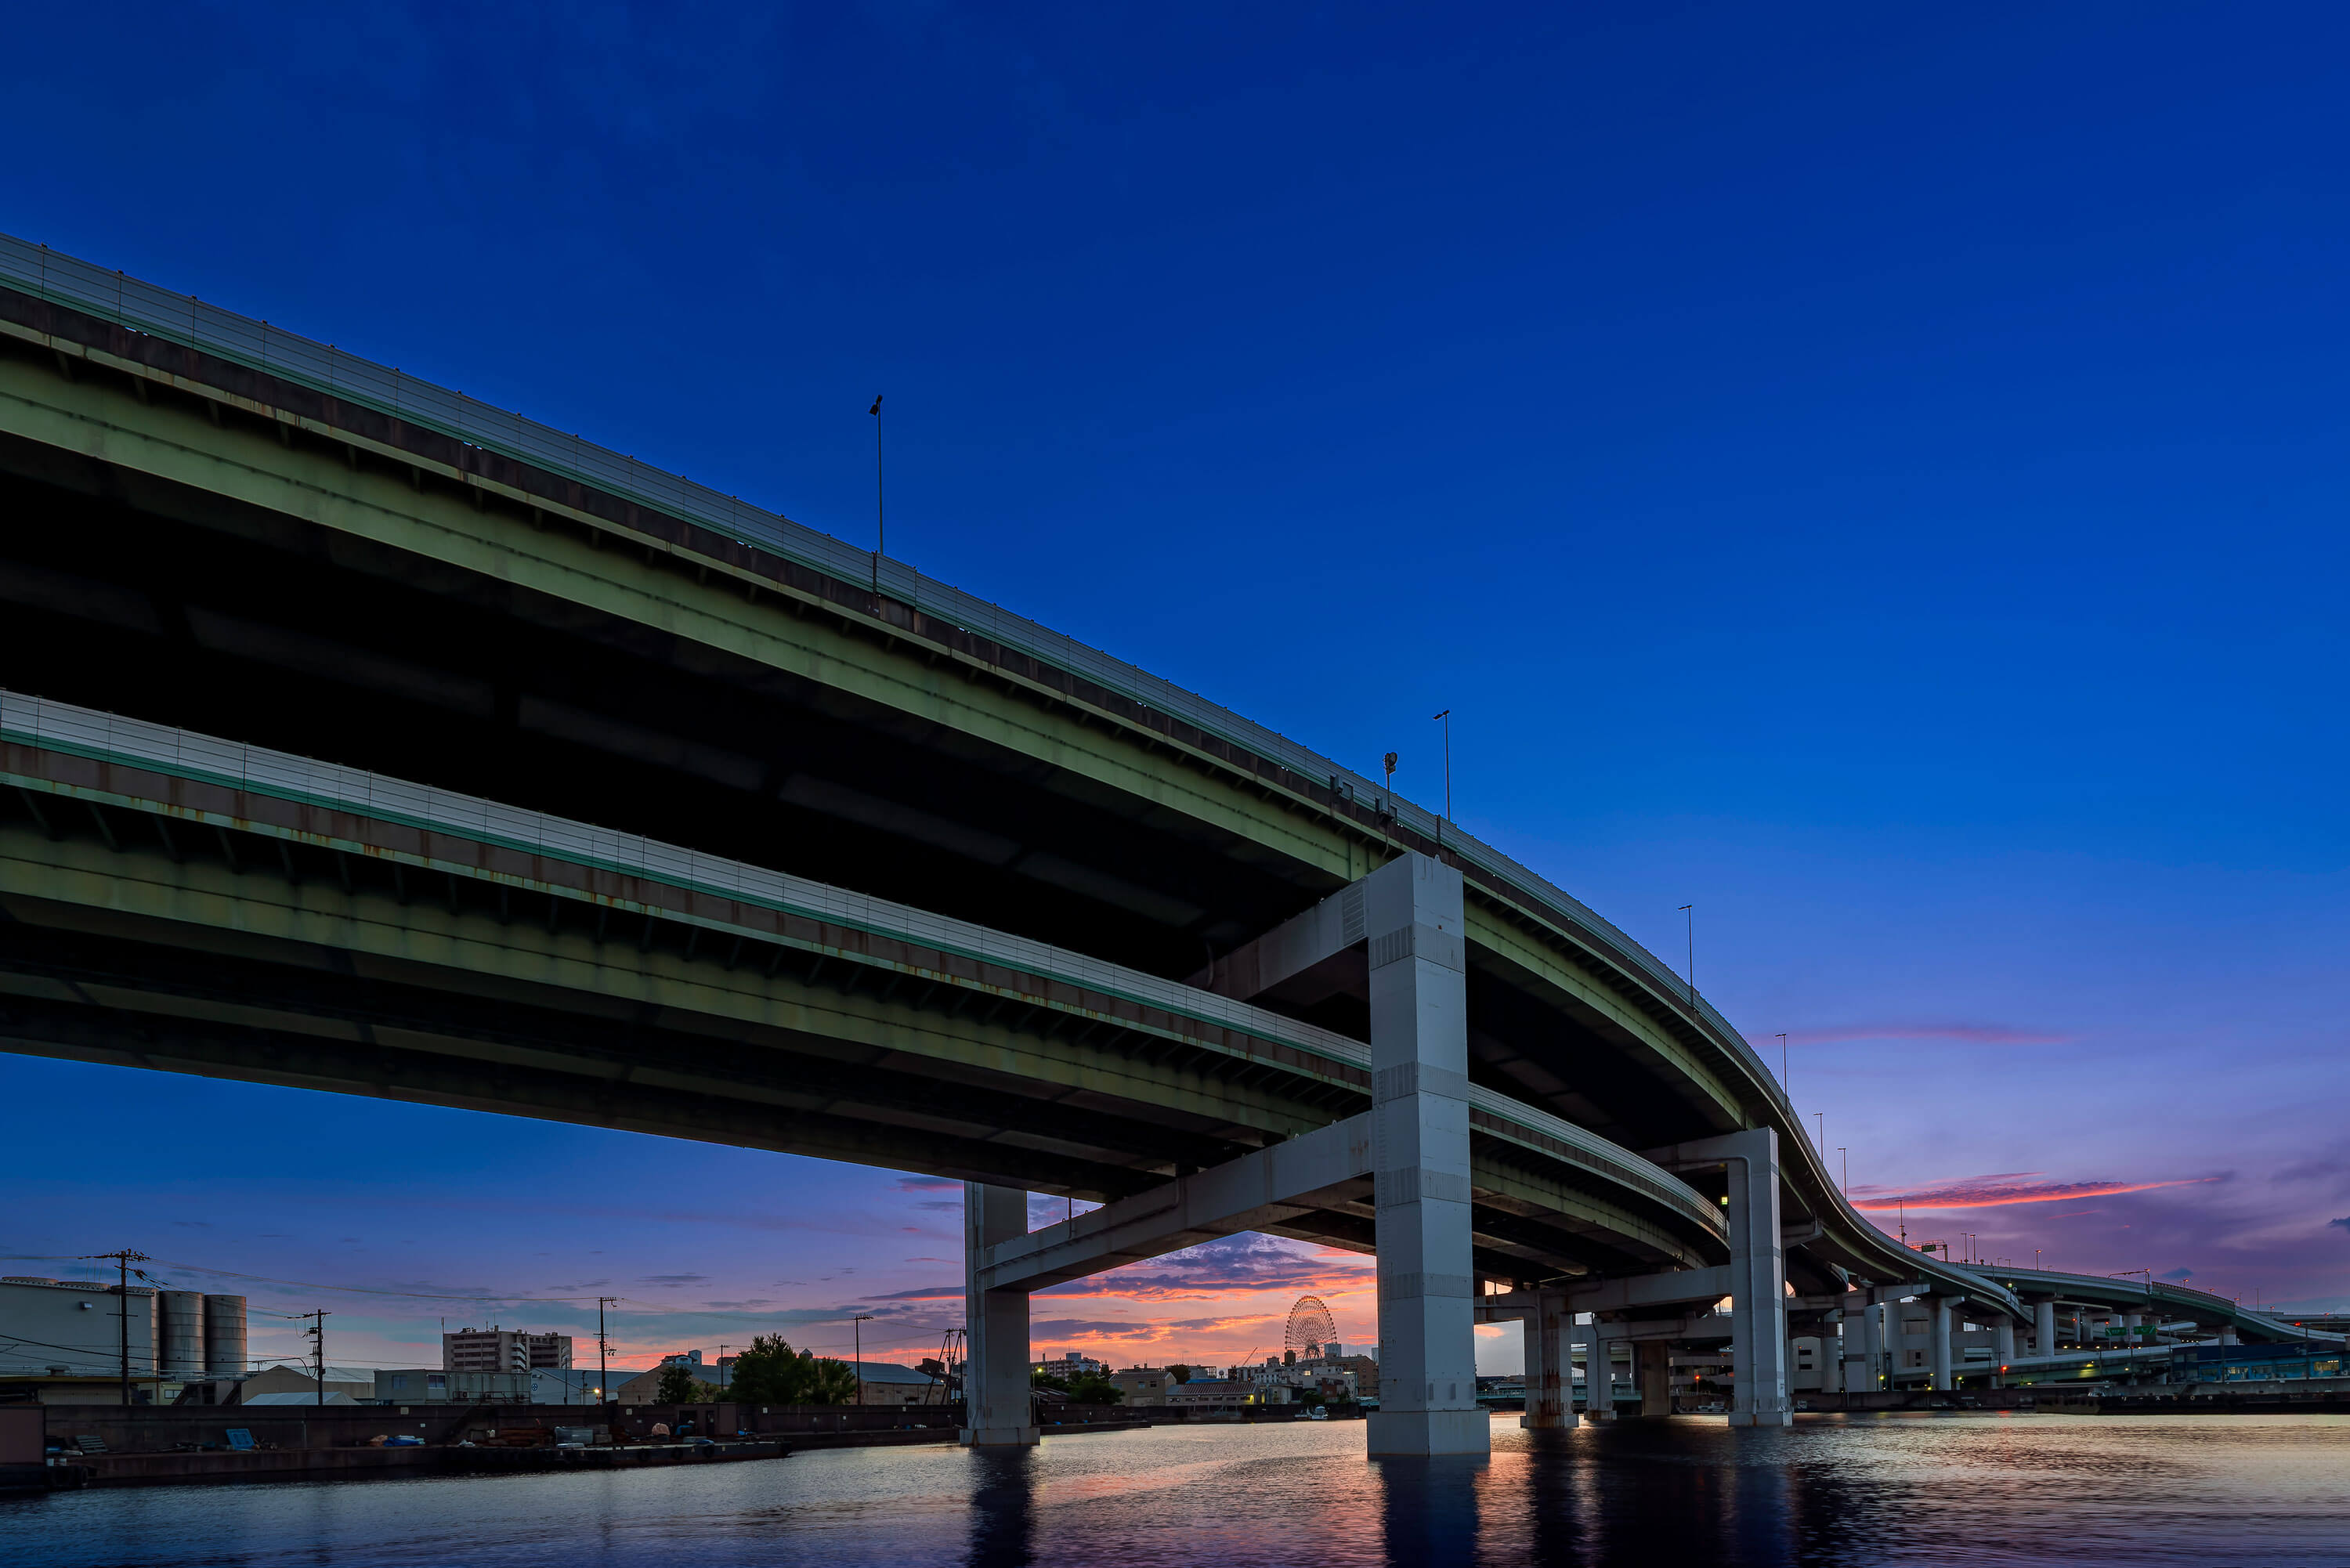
1876 476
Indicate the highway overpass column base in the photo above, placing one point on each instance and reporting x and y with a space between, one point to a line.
998 1411
1420 1142
1758 1274
1652 1375
1859 1341
1549 1403
2043 1328
1400 1433
1939 1344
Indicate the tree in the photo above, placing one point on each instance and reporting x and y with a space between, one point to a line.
772 1372
1178 1373
1093 1388
1040 1378
677 1384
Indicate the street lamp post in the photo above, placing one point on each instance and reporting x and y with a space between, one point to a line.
856 1327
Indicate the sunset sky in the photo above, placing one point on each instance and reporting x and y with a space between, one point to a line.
1875 475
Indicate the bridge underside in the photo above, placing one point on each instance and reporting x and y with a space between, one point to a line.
142 932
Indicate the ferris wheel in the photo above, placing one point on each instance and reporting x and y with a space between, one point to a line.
1311 1330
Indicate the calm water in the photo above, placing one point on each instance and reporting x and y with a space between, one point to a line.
1977 1489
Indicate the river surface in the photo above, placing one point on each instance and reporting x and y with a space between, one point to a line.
1972 1488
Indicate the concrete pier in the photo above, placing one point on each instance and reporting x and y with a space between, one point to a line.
1412 920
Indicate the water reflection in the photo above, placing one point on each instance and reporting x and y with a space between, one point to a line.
2243 1491
1003 1507
1428 1508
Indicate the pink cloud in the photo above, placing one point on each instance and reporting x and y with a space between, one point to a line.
1998 1191
1969 1033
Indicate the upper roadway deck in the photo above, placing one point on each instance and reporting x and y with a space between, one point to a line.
219 526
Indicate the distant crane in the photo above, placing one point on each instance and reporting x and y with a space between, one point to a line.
945 1368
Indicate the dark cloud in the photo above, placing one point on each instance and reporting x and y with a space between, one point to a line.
927 1184
941 1204
2344 1222
1244 1262
2182 1275
673 1281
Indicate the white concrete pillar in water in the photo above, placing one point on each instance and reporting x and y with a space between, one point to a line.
1937 1336
1550 1391
1758 1272
997 1411
2043 1328
1420 1099
1859 1345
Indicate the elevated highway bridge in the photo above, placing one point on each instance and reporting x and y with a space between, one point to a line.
364 737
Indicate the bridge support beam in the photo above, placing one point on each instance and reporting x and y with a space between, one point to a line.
1412 920
2044 1327
1550 1378
1937 1341
997 1407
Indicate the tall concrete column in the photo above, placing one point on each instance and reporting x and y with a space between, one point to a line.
2043 1328
1550 1401
1937 1336
1419 1095
1600 1374
995 1387
1859 1344
1758 1289
2005 1354
1652 1374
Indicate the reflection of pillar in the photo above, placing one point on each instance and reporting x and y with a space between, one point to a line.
1939 1344
1549 1402
1420 1099
1002 1511
996 1408
1428 1507
2043 1328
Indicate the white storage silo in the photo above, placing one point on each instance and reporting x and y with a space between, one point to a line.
180 1337
223 1336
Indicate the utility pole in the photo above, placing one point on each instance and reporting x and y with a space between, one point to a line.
1822 1117
122 1262
317 1333
1445 718
1844 1184
1782 1066
856 1327
880 515
603 1352
1691 920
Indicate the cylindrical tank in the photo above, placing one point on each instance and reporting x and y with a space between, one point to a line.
180 1337
223 1336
